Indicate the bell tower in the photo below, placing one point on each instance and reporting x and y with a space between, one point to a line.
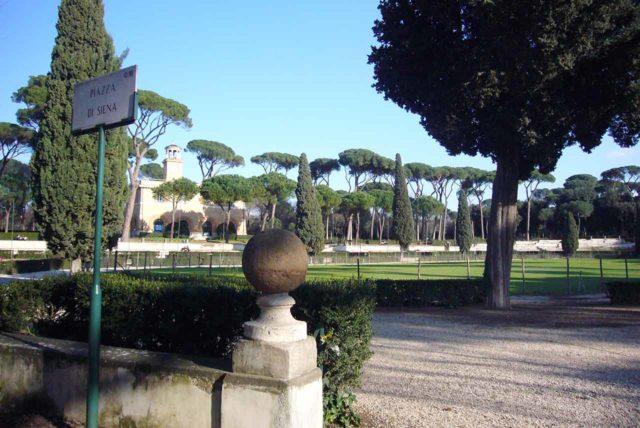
172 162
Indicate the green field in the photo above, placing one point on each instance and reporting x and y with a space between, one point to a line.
542 276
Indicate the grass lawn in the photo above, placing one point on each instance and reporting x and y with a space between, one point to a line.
542 276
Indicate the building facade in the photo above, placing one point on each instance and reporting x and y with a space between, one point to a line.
202 220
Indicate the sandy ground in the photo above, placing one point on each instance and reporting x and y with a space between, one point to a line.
551 363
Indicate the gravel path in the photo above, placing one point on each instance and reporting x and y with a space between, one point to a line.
538 365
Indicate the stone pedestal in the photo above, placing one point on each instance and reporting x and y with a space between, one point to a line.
275 381
278 383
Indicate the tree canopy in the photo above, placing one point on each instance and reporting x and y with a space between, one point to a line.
14 141
174 191
322 168
514 81
152 170
224 190
276 161
34 97
213 157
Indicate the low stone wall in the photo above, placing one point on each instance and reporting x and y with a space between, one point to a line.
137 388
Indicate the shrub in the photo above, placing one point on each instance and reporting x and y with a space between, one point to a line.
193 315
439 292
624 292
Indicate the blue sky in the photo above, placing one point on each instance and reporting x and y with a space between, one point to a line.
258 76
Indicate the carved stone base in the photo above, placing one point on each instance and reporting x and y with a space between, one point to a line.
275 323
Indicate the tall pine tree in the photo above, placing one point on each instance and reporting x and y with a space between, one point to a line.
63 166
402 225
463 222
309 227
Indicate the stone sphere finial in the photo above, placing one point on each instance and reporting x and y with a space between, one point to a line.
275 261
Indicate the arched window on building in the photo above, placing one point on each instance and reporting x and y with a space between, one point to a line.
207 229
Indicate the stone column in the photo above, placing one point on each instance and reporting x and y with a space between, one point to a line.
275 381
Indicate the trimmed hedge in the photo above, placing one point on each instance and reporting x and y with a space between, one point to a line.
198 315
421 293
30 265
192 315
624 292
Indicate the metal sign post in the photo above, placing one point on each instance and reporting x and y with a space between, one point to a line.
107 101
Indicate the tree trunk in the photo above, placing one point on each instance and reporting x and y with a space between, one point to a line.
501 234
131 202
481 221
7 216
226 225
265 215
373 220
528 217
273 215
327 229
173 219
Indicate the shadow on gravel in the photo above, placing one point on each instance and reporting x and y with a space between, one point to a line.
559 313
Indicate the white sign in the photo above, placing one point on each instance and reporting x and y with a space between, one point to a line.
106 101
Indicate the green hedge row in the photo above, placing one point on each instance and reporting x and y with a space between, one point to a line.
192 315
204 316
30 265
624 292
420 293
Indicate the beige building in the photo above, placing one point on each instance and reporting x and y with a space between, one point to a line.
153 214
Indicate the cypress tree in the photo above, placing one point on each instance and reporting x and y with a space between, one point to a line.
309 227
463 222
402 225
637 235
63 166
569 235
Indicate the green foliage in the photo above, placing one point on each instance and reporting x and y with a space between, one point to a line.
15 187
197 315
213 157
402 225
160 112
180 189
272 187
64 167
153 171
423 293
14 141
328 198
309 227
427 206
363 165
322 168
569 235
460 68
624 292
276 161
30 265
34 97
338 409
224 190
463 223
